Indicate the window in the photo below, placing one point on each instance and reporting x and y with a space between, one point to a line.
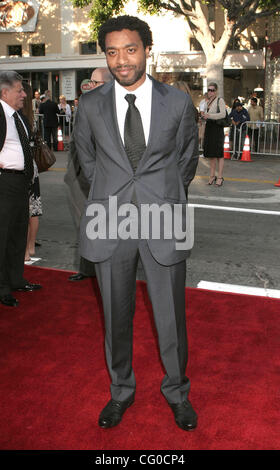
37 49
15 50
195 45
88 47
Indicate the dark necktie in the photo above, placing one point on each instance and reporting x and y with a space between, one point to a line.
134 137
28 159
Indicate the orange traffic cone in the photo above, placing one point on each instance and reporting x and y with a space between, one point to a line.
246 154
60 144
226 148
278 184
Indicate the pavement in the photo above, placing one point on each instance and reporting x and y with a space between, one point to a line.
231 246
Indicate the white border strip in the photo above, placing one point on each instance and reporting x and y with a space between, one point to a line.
234 209
32 261
218 286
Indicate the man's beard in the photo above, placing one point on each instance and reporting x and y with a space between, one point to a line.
138 73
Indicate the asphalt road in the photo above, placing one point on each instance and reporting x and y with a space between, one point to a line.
230 246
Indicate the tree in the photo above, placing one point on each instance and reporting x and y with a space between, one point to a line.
238 16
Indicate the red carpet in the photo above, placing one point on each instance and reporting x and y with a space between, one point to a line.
54 381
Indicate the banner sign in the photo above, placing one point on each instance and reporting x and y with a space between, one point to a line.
68 84
18 15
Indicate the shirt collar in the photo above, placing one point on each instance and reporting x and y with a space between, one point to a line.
7 108
140 92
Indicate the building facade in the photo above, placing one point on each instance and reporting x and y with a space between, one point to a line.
52 49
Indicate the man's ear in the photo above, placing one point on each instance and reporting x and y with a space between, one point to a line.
148 51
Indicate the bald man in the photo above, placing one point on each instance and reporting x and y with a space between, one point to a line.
99 77
77 185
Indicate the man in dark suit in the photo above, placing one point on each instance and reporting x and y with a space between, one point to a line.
77 184
50 110
138 146
16 172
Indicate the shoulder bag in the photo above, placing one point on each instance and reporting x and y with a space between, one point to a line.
43 156
223 122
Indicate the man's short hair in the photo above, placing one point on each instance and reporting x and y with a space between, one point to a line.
8 78
125 22
254 99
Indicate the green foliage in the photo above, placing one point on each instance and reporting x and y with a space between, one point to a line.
101 10
266 4
150 6
81 3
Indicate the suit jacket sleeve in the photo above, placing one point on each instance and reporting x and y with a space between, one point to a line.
84 141
187 144
41 108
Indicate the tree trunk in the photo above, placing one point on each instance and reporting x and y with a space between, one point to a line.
215 72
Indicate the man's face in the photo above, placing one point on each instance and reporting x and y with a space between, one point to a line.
37 95
239 108
126 58
14 95
96 79
253 103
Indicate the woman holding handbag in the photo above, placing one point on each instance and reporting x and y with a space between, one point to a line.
214 134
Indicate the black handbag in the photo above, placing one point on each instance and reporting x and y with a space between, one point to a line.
42 155
223 122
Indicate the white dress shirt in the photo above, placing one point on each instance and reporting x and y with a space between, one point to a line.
11 155
143 102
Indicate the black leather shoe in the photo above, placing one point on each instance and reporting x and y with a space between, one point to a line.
28 287
77 277
8 300
184 414
112 414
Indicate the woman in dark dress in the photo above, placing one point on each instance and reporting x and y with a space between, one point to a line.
35 204
214 135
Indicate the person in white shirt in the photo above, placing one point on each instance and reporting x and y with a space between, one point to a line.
65 111
15 181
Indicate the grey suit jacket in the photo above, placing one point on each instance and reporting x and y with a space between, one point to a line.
163 174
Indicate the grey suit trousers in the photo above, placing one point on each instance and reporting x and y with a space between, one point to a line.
166 286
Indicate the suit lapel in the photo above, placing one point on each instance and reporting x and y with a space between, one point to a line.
108 112
158 113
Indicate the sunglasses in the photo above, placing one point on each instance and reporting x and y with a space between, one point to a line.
211 89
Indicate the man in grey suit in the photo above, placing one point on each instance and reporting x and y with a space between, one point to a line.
138 146
76 183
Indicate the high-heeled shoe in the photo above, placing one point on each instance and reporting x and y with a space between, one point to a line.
212 180
221 181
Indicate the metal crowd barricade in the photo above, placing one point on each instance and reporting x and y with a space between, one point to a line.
264 138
